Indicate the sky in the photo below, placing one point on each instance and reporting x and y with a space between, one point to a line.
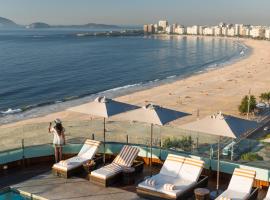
136 12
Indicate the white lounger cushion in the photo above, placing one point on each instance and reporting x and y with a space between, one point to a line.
233 195
89 148
180 185
240 185
181 182
125 158
107 171
86 153
172 165
191 169
70 163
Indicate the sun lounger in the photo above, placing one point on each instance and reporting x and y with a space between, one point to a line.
240 186
109 174
267 197
66 168
177 179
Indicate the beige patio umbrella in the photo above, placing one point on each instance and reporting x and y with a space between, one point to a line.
222 126
154 115
103 107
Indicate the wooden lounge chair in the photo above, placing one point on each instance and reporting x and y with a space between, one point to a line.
240 186
178 178
66 168
267 197
111 173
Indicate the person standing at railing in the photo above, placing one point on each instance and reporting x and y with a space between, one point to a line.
59 140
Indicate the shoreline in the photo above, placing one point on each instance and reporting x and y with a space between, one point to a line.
183 98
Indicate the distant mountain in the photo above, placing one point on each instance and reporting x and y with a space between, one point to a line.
89 25
38 25
7 23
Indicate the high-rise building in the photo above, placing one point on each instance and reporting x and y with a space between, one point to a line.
151 28
237 28
231 32
224 31
218 30
169 29
145 28
181 30
257 32
208 31
193 30
174 26
201 29
163 24
267 33
222 24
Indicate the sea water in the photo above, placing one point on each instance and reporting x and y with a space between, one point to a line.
50 69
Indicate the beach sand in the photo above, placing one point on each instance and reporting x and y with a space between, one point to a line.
216 90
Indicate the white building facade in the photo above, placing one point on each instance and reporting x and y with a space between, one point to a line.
193 30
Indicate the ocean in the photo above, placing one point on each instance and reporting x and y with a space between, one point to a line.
48 70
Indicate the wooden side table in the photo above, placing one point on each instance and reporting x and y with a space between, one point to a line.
202 194
128 177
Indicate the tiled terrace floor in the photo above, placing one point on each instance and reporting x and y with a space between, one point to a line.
38 180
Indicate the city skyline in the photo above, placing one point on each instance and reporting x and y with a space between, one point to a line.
127 12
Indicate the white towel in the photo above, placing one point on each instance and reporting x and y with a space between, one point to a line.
169 187
150 182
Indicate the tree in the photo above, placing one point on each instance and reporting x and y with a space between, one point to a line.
265 96
243 108
184 143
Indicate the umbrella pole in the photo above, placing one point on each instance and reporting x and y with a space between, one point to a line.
104 140
151 146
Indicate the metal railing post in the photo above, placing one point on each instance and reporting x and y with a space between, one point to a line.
23 156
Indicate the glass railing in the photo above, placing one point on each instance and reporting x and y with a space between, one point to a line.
254 153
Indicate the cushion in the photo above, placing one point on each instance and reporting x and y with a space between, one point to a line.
107 171
242 180
89 148
70 163
180 186
126 156
191 169
232 194
172 165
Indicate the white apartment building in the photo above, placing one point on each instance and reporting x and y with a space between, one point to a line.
201 28
174 27
267 33
169 29
237 28
163 24
231 32
193 30
181 30
218 31
209 31
224 31
257 32
244 31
